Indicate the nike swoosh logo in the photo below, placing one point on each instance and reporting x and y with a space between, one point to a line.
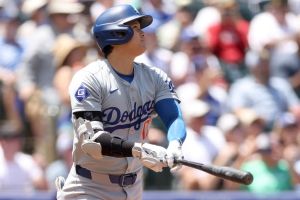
112 91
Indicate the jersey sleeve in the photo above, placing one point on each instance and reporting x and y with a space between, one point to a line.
85 92
164 86
170 113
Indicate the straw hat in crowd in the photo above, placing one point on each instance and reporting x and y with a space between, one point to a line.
63 46
227 122
248 116
194 109
31 6
64 7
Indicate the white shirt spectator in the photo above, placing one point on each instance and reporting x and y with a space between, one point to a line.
203 147
269 101
160 58
264 29
206 17
18 175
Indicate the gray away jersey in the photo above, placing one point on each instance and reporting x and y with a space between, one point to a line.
127 108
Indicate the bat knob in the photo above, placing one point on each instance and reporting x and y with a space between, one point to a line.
248 178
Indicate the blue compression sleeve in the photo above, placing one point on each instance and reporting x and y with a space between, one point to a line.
170 113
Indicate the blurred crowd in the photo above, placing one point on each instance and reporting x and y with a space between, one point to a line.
235 65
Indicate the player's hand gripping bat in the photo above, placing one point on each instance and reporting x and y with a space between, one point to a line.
222 172
228 173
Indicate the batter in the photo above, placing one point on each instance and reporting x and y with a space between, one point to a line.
113 101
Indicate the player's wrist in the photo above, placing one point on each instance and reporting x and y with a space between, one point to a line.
176 144
174 154
137 150
151 156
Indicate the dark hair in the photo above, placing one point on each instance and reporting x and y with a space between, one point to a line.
107 50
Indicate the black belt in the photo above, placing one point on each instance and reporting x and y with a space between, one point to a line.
122 180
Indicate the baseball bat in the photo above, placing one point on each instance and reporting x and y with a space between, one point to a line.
228 173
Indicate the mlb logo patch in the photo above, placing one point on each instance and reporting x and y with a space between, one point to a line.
82 93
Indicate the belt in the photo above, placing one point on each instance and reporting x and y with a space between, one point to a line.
122 180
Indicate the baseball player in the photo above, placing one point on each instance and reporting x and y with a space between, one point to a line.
113 101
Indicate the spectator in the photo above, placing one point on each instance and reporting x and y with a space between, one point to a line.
240 139
287 132
187 60
213 89
11 52
270 171
18 171
198 74
253 125
206 17
234 152
154 54
99 6
202 145
267 96
228 40
277 29
11 48
35 15
40 77
231 127
162 11
36 72
179 25
294 6
274 28
69 56
62 165
2 14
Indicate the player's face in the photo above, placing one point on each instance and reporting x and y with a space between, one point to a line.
137 42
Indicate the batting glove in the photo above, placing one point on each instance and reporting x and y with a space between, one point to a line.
59 183
151 156
174 153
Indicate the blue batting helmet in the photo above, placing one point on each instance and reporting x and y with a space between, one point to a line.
110 27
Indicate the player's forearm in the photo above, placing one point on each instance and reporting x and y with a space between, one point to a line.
114 146
151 156
97 142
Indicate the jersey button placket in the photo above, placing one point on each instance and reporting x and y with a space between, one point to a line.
132 100
131 94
